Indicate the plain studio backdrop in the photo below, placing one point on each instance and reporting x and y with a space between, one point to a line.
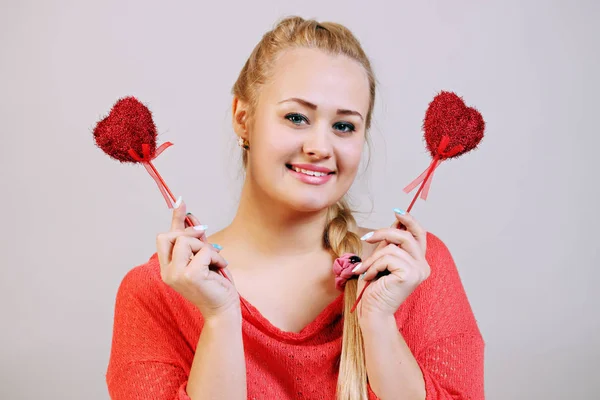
519 214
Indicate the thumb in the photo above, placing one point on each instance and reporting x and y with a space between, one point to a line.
178 218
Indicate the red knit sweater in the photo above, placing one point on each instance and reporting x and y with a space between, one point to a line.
156 331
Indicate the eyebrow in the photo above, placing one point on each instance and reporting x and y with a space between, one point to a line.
314 107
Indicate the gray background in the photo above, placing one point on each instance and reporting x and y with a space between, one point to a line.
518 215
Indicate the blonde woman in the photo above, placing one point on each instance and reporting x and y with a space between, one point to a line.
280 326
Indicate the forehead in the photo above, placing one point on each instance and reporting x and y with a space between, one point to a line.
329 81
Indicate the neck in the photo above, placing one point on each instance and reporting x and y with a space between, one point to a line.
273 229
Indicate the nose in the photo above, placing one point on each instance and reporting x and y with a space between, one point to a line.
317 144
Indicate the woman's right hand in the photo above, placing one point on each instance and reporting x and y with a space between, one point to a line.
189 264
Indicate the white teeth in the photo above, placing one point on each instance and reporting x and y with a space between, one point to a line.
307 172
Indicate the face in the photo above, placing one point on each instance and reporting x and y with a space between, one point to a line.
308 130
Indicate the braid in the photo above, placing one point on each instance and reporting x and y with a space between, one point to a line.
340 238
339 235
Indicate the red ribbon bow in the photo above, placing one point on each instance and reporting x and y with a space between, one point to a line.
146 161
427 176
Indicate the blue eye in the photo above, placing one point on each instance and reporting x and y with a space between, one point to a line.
345 127
296 118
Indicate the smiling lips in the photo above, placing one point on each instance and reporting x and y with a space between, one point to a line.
311 174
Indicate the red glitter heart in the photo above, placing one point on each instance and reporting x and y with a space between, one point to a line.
129 125
447 115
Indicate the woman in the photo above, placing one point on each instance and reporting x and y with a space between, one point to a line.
279 327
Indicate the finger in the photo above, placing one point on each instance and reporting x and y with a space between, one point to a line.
196 222
199 272
412 226
400 238
166 241
395 265
389 250
193 218
178 219
207 257
183 251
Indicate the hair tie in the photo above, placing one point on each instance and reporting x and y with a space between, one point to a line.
342 268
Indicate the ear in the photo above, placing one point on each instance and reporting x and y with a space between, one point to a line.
240 116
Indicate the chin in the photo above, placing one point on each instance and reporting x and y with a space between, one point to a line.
310 206
309 200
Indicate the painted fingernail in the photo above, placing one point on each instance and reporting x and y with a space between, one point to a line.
178 202
399 211
201 227
357 267
362 276
216 246
188 214
367 236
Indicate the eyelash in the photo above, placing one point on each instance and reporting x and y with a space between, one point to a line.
350 128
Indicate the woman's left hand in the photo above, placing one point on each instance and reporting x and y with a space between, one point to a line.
401 255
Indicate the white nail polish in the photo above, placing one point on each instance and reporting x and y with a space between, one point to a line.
357 267
178 202
201 227
367 236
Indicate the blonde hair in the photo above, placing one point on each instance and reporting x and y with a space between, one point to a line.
339 235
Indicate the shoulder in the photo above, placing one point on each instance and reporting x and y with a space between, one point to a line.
436 247
152 325
439 307
444 280
440 259
143 288
143 297
142 278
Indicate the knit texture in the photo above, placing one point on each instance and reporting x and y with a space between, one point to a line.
156 331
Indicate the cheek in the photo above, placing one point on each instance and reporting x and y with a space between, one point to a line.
273 150
349 157
272 140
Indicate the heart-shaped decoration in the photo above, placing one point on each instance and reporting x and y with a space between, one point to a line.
129 125
448 115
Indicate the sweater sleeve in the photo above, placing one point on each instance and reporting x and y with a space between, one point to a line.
446 341
148 380
449 371
453 368
147 351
